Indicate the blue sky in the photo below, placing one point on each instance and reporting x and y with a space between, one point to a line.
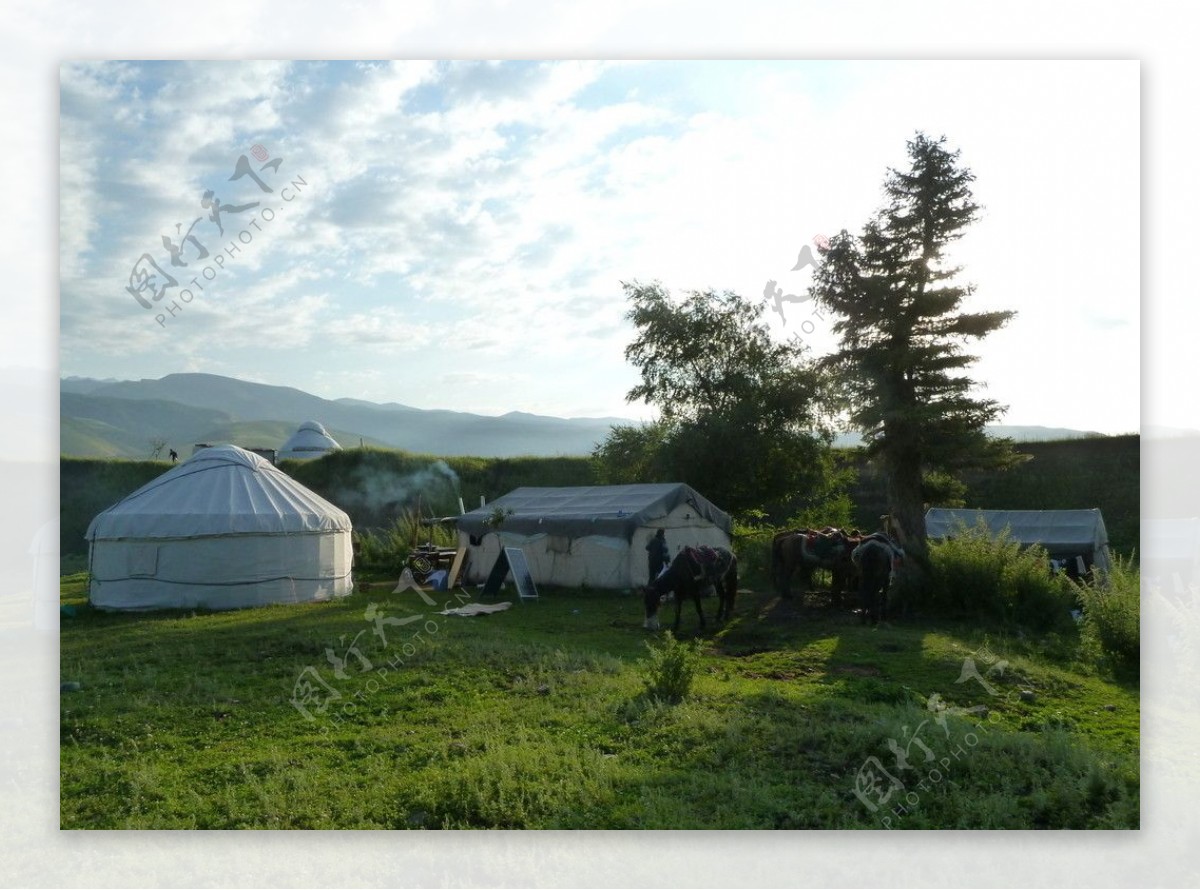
457 233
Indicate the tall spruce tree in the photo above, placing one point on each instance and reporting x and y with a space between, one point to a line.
901 357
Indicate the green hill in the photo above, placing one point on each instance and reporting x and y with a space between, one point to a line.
84 436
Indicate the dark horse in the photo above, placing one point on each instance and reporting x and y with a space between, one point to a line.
876 559
691 574
807 549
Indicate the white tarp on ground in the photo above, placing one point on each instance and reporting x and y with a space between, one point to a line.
593 536
1064 534
223 530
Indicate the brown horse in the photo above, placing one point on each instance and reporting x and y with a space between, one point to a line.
692 573
808 549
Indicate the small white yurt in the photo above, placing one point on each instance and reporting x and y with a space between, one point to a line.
309 441
223 530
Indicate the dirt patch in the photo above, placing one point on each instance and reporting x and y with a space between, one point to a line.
745 652
857 670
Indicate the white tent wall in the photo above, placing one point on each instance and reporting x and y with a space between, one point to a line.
683 529
594 561
185 573
598 561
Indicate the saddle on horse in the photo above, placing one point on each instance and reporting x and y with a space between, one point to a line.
708 563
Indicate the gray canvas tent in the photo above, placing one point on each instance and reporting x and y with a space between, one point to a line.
591 535
1065 534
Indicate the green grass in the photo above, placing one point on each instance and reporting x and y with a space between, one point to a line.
539 717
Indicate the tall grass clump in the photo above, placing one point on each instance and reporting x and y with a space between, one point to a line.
387 549
980 574
1111 614
671 668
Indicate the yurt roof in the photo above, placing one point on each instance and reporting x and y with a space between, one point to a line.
221 490
309 436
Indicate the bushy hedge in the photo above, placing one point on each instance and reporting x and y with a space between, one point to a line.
1112 615
387 549
976 574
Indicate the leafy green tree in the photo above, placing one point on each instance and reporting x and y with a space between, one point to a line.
737 408
633 453
901 360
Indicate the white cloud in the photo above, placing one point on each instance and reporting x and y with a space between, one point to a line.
495 209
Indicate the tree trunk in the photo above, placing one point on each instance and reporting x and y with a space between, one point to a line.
904 499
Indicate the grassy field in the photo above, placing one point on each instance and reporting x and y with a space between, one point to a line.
539 717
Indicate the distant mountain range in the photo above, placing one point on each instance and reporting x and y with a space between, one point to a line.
122 418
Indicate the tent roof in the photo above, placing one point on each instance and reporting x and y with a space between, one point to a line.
309 437
1053 529
221 490
614 510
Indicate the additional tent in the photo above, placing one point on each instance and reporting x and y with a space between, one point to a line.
309 441
222 530
592 535
1065 534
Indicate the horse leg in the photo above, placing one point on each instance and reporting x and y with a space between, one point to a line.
878 592
865 595
700 611
728 592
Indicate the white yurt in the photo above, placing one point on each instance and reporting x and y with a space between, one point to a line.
223 530
309 441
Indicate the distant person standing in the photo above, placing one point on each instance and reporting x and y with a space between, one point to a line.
174 456
657 548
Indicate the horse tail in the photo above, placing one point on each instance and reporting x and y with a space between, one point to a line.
777 560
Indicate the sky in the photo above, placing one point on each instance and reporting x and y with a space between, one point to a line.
456 235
